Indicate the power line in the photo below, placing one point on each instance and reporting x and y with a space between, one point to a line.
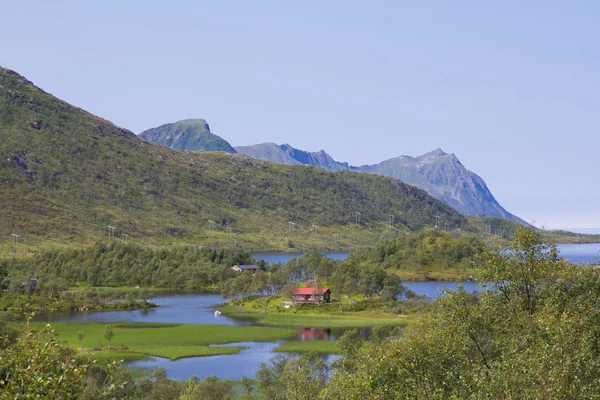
357 217
111 232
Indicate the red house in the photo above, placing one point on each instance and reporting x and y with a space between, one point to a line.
311 295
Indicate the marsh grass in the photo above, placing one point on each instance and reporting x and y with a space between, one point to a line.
173 341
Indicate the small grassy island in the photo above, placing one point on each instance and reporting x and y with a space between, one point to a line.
173 341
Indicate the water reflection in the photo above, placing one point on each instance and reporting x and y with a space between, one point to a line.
234 366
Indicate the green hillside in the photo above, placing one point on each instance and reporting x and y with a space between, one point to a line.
65 175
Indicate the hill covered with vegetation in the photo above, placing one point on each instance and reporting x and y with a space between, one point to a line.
66 175
188 134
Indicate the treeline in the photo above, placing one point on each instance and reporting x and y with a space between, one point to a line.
121 264
428 248
371 271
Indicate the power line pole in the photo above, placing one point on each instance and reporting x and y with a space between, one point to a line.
291 226
447 225
357 217
437 220
15 239
211 226
229 232
111 232
124 236
392 219
314 230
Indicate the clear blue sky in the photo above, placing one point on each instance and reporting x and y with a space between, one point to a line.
511 87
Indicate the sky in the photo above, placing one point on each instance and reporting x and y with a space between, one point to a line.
512 88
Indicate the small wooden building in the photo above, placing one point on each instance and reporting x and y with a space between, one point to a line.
249 267
311 295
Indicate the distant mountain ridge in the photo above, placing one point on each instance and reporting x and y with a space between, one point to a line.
440 174
286 154
188 134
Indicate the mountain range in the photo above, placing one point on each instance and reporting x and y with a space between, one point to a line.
441 174
67 175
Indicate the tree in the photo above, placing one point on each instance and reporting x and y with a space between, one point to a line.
39 366
80 336
108 334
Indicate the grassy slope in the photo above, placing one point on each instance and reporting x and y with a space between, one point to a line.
173 341
66 174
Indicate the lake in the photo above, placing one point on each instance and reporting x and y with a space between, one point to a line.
575 253
580 253
273 258
198 308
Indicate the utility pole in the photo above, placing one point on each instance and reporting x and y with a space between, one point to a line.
124 236
111 232
229 232
437 220
447 225
291 226
392 219
357 217
314 230
211 226
15 239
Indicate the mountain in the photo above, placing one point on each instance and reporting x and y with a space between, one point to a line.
286 154
66 175
188 134
442 175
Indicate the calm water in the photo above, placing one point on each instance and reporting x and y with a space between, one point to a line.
272 258
580 253
179 308
234 366
576 253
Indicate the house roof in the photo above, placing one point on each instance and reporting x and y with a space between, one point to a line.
307 290
249 266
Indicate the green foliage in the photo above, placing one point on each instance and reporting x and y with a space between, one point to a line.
292 378
108 334
38 366
532 335
123 264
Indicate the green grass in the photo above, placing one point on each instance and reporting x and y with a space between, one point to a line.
361 319
305 346
173 341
